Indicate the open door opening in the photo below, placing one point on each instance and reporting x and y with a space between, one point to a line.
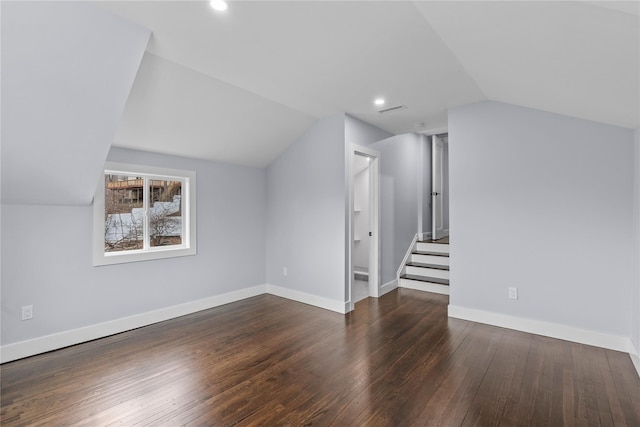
438 230
363 225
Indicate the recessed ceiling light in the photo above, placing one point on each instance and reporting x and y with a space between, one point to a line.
219 5
379 101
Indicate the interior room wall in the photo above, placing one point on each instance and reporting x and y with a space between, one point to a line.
399 175
47 255
635 301
541 202
399 178
305 216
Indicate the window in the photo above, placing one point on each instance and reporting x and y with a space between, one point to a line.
142 213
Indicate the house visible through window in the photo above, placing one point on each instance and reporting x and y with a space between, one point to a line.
144 213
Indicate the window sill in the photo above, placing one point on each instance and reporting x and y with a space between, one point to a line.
111 258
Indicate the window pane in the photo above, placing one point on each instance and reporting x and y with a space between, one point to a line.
123 213
165 213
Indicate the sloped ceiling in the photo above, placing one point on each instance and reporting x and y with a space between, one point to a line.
565 57
240 86
67 69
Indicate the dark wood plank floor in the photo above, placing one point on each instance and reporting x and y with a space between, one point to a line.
267 361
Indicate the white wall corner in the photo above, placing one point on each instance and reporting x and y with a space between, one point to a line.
305 298
539 327
60 340
388 287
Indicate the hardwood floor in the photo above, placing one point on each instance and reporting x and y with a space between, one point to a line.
267 361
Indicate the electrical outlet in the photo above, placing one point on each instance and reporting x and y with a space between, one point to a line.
284 271
27 312
513 293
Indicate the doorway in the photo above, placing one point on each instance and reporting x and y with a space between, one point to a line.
439 194
363 247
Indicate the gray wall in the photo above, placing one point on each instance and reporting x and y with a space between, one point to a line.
635 301
399 175
541 202
305 216
46 255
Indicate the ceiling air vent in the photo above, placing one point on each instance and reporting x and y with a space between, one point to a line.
394 108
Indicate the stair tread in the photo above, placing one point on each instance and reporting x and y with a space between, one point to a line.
435 280
434 266
443 254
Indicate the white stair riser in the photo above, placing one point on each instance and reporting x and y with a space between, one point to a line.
441 248
430 259
424 286
427 272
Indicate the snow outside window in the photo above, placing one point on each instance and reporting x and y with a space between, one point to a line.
143 213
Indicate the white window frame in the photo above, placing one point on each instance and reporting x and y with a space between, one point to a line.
188 246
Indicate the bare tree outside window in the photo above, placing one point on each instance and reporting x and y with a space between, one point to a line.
124 215
123 228
165 217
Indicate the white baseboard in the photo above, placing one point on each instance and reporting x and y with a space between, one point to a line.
539 327
59 340
635 356
303 297
388 287
427 235
435 288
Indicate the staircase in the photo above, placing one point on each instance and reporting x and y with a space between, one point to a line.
427 268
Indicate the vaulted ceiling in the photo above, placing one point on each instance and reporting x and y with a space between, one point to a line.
240 86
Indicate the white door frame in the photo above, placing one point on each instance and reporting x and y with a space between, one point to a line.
374 212
437 187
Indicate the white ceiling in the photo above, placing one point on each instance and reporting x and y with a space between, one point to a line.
239 87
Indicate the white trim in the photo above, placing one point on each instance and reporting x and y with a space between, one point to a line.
406 257
100 330
539 327
419 285
305 298
189 234
388 287
635 356
420 187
